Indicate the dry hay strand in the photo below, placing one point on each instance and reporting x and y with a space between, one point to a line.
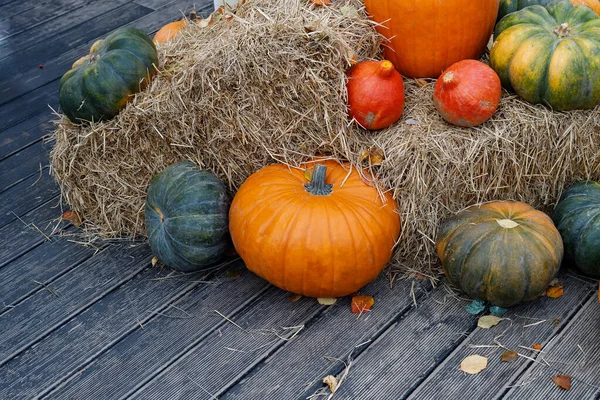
262 84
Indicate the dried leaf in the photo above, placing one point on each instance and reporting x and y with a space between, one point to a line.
321 2
327 301
556 321
474 364
374 156
72 216
308 174
554 292
361 304
232 274
154 261
421 82
553 282
419 276
537 346
487 321
509 356
293 297
562 381
475 307
349 11
332 382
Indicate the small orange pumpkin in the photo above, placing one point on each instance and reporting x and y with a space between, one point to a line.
467 93
375 94
327 236
171 29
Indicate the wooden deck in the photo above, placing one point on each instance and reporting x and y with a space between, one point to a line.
99 322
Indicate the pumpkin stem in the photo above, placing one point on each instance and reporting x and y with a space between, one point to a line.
193 16
449 79
386 68
562 30
317 185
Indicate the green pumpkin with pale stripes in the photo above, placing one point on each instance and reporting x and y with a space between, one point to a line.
99 85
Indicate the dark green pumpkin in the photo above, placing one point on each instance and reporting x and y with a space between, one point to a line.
577 217
503 252
550 55
187 217
99 85
509 6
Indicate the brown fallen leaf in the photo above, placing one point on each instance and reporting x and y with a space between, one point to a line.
293 297
154 261
233 274
474 364
419 276
361 304
554 292
72 216
331 381
562 381
537 346
327 301
321 2
373 155
509 356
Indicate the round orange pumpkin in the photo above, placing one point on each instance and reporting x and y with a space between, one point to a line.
171 29
324 237
467 93
375 94
427 36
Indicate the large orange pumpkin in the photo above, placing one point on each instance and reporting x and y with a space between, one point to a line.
326 237
427 36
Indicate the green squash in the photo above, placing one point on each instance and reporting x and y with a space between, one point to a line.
99 85
509 6
186 216
503 252
577 217
550 55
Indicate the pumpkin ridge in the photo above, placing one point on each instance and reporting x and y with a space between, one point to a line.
259 207
535 233
589 97
351 205
576 210
300 210
587 225
470 252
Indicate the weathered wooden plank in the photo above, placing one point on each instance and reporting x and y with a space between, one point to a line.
574 352
153 294
45 311
8 2
21 235
26 133
40 266
10 10
409 350
22 108
21 165
163 340
25 196
297 369
537 321
14 85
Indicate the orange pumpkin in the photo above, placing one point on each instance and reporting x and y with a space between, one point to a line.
324 237
427 36
375 94
467 93
171 29
593 4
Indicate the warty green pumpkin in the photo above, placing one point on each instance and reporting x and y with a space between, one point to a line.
550 55
502 252
577 217
99 85
186 215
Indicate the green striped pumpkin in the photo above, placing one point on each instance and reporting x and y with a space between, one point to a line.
550 55
99 85
503 252
186 216
577 217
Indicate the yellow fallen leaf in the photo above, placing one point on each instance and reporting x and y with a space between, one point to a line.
562 381
554 292
327 301
361 304
509 356
331 381
293 297
154 261
308 174
487 321
474 364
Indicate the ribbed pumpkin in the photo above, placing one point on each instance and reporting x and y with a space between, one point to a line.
467 93
427 36
550 55
508 6
504 252
324 237
170 30
577 217
99 85
375 94
187 217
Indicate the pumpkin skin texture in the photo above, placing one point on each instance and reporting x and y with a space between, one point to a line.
99 85
550 55
170 30
328 242
427 36
504 252
577 217
186 217
508 6
375 94
467 93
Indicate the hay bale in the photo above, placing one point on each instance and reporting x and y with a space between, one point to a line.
270 86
